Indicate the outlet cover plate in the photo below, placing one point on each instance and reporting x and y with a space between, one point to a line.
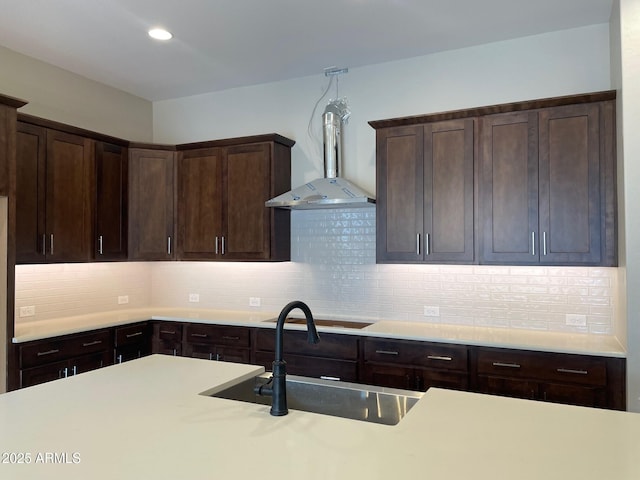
194 297
255 301
576 320
431 311
28 311
123 299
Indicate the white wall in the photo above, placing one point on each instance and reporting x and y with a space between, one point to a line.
627 76
560 63
56 94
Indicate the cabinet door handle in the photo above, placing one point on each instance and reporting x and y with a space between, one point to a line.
571 370
417 244
387 352
533 243
504 364
51 243
327 377
120 358
137 334
199 335
544 243
168 245
216 245
427 246
222 244
64 373
90 344
227 337
439 357
74 370
100 245
48 352
175 352
168 332
44 244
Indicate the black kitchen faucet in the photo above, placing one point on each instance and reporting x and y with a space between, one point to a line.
277 385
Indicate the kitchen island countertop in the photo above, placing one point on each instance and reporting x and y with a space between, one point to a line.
145 419
604 345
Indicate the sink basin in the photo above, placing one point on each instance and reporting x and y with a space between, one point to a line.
339 399
320 322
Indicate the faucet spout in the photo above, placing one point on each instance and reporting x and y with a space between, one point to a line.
278 390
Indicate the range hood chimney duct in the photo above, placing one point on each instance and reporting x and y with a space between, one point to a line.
332 191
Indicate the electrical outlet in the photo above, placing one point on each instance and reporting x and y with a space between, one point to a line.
29 311
123 299
575 320
254 301
194 297
431 311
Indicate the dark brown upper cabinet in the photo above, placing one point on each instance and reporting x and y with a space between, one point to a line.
547 186
425 188
151 204
53 195
222 188
112 178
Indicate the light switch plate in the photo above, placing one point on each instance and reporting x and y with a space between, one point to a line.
123 299
194 297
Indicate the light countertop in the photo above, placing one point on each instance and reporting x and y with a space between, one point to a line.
145 419
604 345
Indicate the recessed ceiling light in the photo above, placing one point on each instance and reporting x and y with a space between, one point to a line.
160 34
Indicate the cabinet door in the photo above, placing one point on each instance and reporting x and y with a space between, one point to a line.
112 175
247 228
30 187
69 167
393 376
448 191
45 373
570 185
151 207
509 189
508 387
199 204
400 177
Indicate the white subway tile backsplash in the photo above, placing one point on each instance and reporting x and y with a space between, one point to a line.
334 270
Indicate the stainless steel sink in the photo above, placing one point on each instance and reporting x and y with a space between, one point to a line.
340 399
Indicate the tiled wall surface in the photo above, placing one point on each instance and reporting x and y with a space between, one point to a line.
333 269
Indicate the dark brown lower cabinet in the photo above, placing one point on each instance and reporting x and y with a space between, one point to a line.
132 341
167 338
335 357
60 357
218 342
553 377
415 365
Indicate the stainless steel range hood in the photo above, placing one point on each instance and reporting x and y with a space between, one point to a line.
330 191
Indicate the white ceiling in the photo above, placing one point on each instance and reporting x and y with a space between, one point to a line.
221 44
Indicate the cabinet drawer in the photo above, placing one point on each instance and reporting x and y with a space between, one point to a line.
295 342
566 368
171 332
327 368
132 334
218 334
423 354
53 350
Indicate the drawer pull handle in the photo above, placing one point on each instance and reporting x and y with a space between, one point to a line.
326 377
571 370
199 335
508 365
168 332
48 352
387 352
439 357
90 344
137 334
227 337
